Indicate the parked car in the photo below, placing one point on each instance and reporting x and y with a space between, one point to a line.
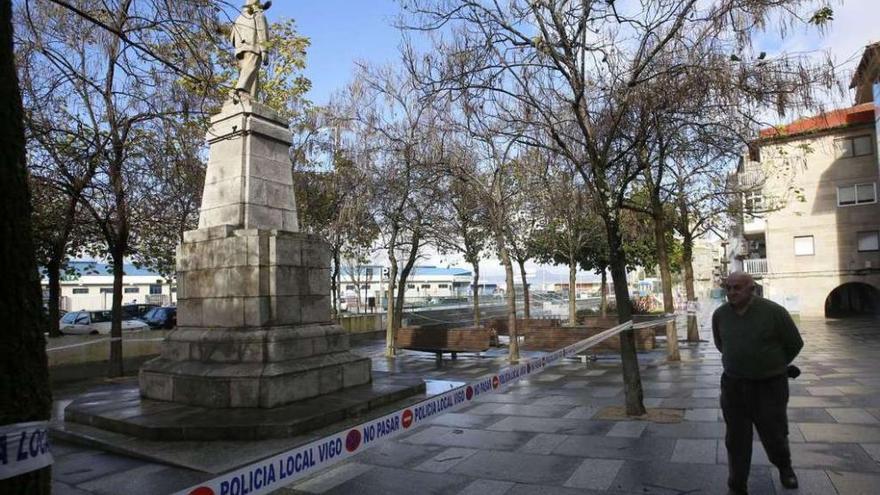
94 323
136 311
165 317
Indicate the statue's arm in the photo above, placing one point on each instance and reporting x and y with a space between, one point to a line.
263 37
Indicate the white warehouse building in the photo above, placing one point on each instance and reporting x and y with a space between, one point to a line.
89 285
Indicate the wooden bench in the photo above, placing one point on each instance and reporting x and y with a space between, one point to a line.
439 340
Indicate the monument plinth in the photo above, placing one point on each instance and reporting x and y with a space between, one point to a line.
253 303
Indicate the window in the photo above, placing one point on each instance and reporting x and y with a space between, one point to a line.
410 286
349 287
869 241
857 194
155 289
426 286
853 146
101 316
132 290
442 286
81 319
106 290
754 201
82 290
803 246
69 318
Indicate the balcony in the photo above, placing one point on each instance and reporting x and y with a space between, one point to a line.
754 225
755 266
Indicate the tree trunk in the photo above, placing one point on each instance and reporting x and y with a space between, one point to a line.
476 291
526 300
53 273
659 219
334 286
390 349
404 275
693 328
572 292
603 302
513 350
116 368
26 395
632 381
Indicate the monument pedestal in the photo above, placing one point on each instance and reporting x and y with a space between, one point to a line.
253 310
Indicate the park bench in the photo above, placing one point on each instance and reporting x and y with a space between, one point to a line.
441 340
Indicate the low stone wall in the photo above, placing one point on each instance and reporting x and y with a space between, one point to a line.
363 323
77 357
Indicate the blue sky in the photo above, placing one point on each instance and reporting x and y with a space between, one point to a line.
343 32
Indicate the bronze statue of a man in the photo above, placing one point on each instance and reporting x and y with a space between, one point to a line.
249 36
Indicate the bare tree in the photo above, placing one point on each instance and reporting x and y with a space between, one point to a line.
566 231
111 78
397 149
461 227
581 71
487 172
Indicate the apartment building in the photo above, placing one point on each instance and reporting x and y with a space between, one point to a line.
708 267
810 226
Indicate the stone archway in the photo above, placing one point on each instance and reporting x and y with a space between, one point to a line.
853 299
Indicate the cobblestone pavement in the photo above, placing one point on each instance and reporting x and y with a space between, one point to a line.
540 436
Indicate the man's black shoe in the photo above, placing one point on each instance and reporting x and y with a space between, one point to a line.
788 478
734 489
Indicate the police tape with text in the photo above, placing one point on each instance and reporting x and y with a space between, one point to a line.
283 469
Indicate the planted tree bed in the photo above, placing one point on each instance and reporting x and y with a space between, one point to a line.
551 339
441 340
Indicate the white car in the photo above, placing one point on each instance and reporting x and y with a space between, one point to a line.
94 323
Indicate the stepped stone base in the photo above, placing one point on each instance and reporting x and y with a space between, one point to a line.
253 368
119 409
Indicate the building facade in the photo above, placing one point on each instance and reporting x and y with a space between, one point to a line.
809 231
708 267
425 284
88 285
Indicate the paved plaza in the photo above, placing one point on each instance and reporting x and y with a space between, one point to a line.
541 435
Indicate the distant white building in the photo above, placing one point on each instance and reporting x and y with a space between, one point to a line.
90 286
425 283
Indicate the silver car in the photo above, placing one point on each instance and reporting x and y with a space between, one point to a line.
94 323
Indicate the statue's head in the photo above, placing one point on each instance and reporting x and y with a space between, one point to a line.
252 6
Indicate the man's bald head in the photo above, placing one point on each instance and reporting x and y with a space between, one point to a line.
740 287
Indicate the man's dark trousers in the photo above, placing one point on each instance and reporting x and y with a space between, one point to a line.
762 403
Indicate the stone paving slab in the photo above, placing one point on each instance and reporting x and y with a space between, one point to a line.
540 436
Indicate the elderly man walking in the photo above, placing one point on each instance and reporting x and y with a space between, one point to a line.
757 339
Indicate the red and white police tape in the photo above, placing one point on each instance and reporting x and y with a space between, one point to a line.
283 469
24 447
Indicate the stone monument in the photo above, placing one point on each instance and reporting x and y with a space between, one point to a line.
253 293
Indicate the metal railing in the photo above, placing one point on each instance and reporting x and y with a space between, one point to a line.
755 266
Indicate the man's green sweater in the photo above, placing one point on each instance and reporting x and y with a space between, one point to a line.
758 344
